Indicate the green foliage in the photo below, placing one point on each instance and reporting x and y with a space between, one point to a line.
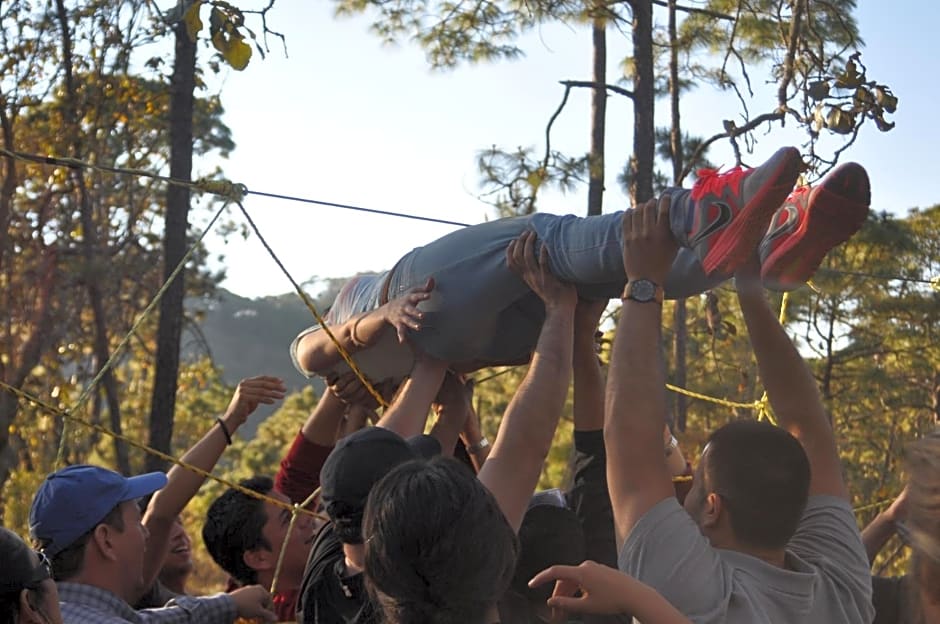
450 32
513 179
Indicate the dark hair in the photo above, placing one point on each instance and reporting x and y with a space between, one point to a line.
20 571
233 527
761 473
69 562
548 536
438 548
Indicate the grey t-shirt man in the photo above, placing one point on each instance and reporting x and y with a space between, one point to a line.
826 580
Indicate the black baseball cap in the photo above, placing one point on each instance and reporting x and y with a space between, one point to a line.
358 462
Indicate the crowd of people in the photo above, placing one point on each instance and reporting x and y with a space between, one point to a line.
430 523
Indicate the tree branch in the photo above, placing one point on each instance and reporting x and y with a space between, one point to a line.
700 11
594 85
730 134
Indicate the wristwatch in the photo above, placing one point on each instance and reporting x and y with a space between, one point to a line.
643 291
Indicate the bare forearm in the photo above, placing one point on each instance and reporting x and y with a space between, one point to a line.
877 534
318 352
446 429
635 399
182 485
408 414
525 435
633 423
588 385
322 424
791 388
793 392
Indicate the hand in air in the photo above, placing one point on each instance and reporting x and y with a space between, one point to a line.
252 392
403 314
649 246
535 271
349 389
254 603
453 392
586 588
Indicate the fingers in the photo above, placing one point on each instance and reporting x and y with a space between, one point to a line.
520 254
556 573
662 217
650 213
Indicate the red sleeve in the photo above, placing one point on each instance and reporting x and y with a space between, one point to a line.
299 475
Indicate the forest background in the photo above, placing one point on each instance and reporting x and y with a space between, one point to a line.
140 85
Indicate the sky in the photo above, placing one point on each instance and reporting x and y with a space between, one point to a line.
344 118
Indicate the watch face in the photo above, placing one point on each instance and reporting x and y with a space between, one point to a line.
642 290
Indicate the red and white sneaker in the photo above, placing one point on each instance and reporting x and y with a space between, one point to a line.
730 211
810 223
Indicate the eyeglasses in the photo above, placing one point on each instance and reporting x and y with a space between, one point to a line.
44 563
41 573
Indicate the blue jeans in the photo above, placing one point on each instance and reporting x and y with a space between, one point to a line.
481 312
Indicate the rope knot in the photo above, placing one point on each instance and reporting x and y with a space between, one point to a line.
232 191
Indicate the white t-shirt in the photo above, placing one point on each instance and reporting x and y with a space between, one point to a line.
827 580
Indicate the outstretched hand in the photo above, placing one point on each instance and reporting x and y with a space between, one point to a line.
649 246
349 389
598 589
253 602
403 314
535 271
252 392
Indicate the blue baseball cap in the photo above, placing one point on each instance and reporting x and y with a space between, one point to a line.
74 500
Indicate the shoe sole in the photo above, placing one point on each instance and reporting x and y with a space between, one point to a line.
832 218
736 244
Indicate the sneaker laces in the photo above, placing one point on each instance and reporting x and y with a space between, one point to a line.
711 181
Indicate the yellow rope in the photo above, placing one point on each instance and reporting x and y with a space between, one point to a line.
147 449
295 510
222 188
877 505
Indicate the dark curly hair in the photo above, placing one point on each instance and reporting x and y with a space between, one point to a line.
438 548
233 527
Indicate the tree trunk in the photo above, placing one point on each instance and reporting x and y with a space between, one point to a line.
94 265
598 111
163 400
644 124
680 331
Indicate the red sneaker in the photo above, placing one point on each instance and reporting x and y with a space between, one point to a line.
810 223
731 210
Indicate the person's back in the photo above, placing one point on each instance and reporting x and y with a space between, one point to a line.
736 571
767 533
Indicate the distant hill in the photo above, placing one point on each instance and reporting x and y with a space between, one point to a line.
248 337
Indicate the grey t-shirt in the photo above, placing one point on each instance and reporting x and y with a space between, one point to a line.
827 580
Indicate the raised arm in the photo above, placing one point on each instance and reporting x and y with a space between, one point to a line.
314 351
637 476
884 526
588 377
512 469
452 409
299 474
588 496
790 385
408 413
183 484
601 590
